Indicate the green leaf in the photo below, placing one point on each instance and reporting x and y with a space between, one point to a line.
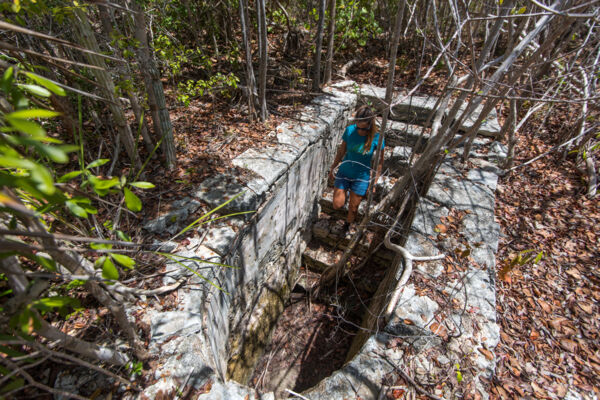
101 246
76 209
538 257
48 84
57 302
103 184
124 260
97 163
12 385
26 322
33 113
43 178
35 89
68 176
459 376
142 185
522 10
132 201
45 262
89 209
123 236
11 352
8 161
7 78
109 271
28 127
54 153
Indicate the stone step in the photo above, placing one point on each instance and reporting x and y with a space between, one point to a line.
396 160
318 256
407 135
328 231
417 109
308 278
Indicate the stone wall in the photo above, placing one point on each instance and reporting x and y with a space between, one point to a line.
223 315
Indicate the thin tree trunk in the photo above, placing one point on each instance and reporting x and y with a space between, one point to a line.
512 135
263 49
319 46
156 94
250 79
330 43
87 349
108 27
88 40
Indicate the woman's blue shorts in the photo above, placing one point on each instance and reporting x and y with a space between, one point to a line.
358 186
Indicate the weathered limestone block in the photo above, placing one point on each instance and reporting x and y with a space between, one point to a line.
218 189
403 134
220 239
174 220
462 195
362 377
412 109
268 163
489 127
233 391
185 262
418 109
169 323
428 214
395 161
420 310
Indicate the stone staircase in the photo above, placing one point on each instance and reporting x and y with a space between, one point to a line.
328 241
446 315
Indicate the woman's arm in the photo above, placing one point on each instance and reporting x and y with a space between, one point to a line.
341 152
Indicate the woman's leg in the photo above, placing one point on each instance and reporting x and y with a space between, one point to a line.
339 198
353 206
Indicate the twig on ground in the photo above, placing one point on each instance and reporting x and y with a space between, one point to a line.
407 378
38 385
296 394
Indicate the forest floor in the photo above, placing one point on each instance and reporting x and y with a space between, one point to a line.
549 311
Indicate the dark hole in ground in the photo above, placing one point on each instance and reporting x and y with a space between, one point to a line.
311 338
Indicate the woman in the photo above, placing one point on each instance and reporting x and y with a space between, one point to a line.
354 175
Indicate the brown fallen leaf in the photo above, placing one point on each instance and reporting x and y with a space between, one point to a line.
574 273
545 306
557 322
439 330
586 307
568 345
534 335
560 390
488 354
440 228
